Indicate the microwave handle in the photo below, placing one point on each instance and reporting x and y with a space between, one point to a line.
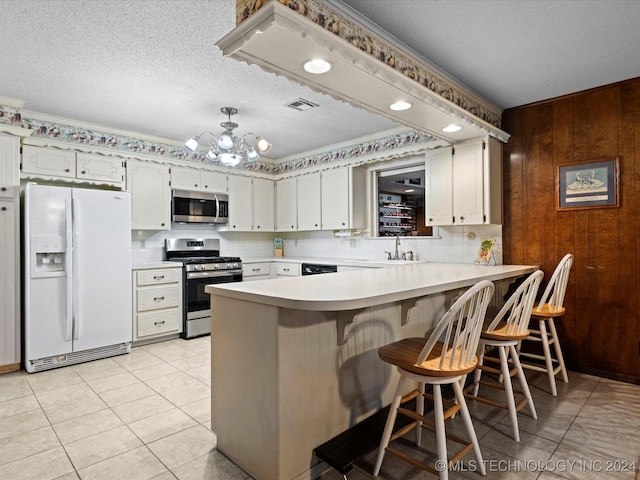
217 208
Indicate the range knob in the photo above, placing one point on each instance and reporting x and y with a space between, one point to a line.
216 266
200 267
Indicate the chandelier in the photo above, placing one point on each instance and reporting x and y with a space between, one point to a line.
227 148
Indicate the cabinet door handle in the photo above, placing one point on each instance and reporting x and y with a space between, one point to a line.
158 323
4 209
83 172
258 226
158 277
162 224
461 218
285 269
206 186
158 299
292 226
67 170
256 269
4 189
196 185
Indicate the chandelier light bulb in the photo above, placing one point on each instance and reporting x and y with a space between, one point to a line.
263 145
225 141
192 144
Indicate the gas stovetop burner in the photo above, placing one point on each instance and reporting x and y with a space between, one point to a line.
199 255
195 260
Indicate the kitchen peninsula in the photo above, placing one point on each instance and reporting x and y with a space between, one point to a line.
294 360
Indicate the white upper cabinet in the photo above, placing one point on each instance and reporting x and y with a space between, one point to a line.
286 204
9 164
263 205
67 164
150 195
343 198
240 203
185 178
309 203
251 204
464 184
439 186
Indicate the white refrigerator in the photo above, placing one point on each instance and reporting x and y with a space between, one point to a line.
77 275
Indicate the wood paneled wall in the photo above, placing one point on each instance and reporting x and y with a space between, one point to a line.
600 333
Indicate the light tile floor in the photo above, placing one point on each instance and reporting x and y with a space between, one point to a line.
146 415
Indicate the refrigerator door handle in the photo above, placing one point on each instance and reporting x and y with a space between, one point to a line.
68 218
77 314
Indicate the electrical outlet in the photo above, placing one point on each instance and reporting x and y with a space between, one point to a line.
143 243
353 243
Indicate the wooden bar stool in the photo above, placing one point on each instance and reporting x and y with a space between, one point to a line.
505 331
444 358
550 307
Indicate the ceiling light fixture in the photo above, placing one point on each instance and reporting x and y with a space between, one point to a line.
399 106
317 66
227 148
452 128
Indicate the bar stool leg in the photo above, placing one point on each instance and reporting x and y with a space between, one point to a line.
466 418
478 372
441 437
508 390
556 344
388 428
523 380
419 411
547 357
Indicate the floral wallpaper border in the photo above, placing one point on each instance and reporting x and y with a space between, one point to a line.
125 144
371 44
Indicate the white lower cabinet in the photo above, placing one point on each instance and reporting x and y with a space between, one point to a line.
157 302
256 271
282 269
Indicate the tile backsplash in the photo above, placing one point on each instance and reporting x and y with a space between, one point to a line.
458 244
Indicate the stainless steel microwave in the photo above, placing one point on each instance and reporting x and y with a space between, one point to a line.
199 207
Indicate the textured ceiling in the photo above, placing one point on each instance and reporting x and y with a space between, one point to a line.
151 66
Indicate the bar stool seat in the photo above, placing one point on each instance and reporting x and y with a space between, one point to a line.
444 358
504 332
549 308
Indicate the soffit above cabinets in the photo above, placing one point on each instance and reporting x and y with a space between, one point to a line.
280 41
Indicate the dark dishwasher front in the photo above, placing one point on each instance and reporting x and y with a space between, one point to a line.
317 269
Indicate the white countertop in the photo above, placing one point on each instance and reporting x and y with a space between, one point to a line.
367 287
148 266
351 262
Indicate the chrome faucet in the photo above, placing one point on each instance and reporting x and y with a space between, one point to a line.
396 255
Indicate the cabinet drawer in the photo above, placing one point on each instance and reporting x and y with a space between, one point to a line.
254 269
154 277
288 269
161 297
153 323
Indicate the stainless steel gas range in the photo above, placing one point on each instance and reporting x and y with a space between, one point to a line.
203 265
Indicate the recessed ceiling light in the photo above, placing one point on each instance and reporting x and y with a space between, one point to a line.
452 128
401 105
317 66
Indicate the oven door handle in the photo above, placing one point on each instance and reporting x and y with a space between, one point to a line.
226 273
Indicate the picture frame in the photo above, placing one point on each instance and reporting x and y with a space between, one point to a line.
485 252
590 184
